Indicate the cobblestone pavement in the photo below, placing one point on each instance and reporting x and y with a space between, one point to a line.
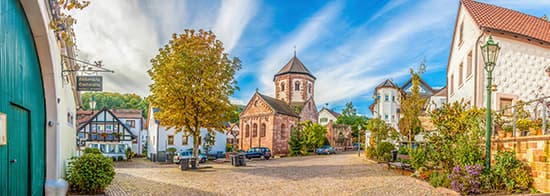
341 174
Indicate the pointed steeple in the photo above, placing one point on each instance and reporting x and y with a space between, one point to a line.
294 66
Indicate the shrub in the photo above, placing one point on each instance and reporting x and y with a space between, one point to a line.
119 158
129 153
91 174
92 151
418 158
467 179
371 152
511 173
383 151
403 150
438 179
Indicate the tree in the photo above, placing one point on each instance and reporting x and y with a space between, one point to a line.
411 107
349 117
193 79
313 135
295 142
115 101
379 130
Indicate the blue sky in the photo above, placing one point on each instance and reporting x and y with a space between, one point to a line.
350 46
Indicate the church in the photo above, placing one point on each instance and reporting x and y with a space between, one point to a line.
267 121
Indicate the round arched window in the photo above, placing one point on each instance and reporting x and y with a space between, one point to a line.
282 86
297 86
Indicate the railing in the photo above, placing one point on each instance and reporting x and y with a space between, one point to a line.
525 116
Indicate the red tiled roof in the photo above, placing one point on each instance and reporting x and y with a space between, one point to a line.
507 20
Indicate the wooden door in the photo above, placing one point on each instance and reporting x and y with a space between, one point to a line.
18 151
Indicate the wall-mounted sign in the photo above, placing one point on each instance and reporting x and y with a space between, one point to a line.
3 129
89 83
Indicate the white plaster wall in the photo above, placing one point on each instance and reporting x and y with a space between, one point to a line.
388 107
521 69
326 114
460 55
219 144
436 102
151 134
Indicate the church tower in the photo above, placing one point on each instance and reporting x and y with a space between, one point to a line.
294 84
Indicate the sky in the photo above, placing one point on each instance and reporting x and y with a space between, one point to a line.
350 46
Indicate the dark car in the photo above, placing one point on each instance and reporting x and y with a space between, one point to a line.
326 150
258 152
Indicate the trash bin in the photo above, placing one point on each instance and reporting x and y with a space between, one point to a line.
184 164
193 163
240 160
233 160
394 155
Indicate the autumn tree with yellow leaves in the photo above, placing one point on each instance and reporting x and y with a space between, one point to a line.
192 81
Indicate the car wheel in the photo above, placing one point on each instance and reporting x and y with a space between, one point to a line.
266 158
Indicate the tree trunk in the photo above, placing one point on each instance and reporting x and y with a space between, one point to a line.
196 142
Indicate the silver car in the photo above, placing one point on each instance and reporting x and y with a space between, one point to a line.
189 155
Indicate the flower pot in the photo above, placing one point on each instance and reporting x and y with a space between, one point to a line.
539 131
532 131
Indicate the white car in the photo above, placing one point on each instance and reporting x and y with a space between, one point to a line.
189 155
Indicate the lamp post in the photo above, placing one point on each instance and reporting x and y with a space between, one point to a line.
490 52
92 103
359 140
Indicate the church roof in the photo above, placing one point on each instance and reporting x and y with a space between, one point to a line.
278 106
294 66
493 17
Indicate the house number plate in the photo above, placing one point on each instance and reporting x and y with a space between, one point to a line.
3 129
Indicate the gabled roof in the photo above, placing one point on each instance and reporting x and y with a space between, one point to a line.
442 92
294 66
278 106
423 84
493 17
333 113
387 83
88 119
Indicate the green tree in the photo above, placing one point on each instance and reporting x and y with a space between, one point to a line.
411 107
379 130
349 117
193 79
313 135
115 101
295 142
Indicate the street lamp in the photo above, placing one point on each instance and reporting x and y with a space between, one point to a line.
490 52
92 103
359 140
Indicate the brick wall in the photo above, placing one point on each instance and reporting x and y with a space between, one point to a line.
533 150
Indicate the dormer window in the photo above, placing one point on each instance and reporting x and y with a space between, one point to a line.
297 86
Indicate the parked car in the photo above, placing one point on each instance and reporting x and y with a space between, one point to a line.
357 145
258 152
187 155
326 150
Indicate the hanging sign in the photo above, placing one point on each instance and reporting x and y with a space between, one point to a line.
3 129
89 83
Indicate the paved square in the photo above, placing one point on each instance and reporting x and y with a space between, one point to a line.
340 174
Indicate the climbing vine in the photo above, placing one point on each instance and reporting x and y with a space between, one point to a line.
62 22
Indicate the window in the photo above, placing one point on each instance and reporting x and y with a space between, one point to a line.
452 86
262 130
309 88
393 118
506 102
247 131
255 130
297 86
460 76
283 127
386 97
184 140
385 116
131 123
154 140
469 65
393 98
170 140
282 86
323 120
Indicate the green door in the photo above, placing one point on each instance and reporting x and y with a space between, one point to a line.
22 159
18 151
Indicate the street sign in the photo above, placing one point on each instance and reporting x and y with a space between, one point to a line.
89 83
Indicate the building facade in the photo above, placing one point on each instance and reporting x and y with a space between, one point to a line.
267 121
326 116
161 138
38 100
519 73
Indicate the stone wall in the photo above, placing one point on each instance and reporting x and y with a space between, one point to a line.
533 150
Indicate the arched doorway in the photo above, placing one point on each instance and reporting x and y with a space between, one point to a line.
22 157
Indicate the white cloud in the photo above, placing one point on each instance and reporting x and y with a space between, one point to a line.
314 28
233 18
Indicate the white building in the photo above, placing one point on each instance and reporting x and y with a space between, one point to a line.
160 139
520 70
38 99
326 115
134 120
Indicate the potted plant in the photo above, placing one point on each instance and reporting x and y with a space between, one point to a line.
508 130
537 126
523 124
